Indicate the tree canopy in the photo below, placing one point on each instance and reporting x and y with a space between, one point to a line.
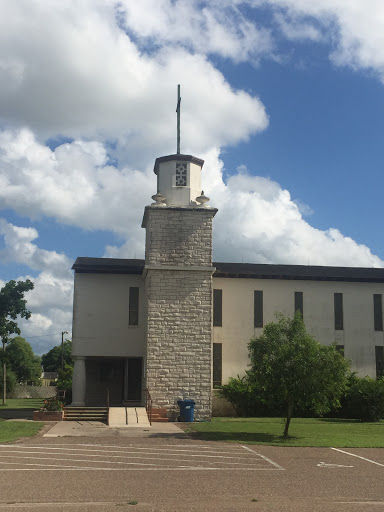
12 305
51 361
22 361
291 369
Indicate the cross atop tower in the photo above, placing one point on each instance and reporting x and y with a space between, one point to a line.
178 118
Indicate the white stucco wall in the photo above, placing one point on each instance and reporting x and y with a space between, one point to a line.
179 196
100 316
358 337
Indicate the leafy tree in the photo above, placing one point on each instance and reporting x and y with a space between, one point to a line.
12 305
51 361
23 362
291 369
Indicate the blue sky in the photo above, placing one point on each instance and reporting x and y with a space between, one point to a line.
282 98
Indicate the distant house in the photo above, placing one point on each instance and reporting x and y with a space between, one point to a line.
48 378
179 324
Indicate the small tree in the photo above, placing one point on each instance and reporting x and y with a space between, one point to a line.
12 305
292 370
64 381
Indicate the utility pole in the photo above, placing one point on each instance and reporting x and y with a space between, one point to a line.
4 373
62 349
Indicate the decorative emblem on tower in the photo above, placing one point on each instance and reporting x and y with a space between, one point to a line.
181 174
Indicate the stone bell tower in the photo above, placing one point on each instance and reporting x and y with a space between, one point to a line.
178 274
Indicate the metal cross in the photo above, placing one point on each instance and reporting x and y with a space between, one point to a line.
178 118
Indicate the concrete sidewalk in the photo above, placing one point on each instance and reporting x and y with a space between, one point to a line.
98 429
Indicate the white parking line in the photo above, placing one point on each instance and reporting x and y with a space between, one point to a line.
265 458
181 468
174 449
119 456
85 460
358 456
57 458
143 454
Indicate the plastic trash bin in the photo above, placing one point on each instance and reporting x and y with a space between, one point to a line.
187 408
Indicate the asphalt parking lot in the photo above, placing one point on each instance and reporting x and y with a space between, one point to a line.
104 474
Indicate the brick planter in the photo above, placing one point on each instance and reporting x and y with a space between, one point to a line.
47 416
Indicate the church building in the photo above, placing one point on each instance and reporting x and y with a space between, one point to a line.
178 324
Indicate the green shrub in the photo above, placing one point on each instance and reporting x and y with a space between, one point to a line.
364 399
52 404
245 398
239 393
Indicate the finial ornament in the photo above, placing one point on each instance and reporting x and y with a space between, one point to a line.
178 118
160 200
202 200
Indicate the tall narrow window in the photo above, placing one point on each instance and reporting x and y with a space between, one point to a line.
258 308
340 348
217 308
378 312
217 364
299 302
379 353
133 305
338 303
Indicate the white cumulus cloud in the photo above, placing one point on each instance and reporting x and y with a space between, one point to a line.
51 299
72 70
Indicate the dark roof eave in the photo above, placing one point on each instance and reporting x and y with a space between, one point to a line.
178 157
298 272
242 270
108 266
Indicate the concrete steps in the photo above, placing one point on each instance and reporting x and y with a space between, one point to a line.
128 417
85 414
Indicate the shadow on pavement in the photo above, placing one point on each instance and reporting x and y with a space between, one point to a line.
16 414
243 437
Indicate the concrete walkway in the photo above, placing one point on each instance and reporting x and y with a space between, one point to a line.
98 429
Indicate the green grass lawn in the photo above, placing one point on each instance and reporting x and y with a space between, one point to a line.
303 432
22 403
12 430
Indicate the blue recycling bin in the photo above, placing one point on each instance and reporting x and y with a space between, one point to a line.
187 408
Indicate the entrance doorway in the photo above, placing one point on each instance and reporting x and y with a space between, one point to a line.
133 379
114 380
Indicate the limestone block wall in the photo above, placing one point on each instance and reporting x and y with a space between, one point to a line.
179 306
178 236
179 339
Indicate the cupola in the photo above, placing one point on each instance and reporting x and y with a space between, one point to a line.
178 180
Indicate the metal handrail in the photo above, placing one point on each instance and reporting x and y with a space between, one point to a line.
148 405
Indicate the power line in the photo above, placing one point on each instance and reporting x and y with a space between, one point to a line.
45 335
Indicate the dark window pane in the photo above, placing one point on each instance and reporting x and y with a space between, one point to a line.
340 348
378 312
133 305
299 302
217 364
379 353
217 308
258 308
338 303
